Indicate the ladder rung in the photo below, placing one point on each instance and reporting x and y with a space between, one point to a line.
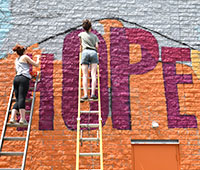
31 88
27 100
89 111
88 77
17 125
92 99
10 168
12 153
89 154
89 125
15 138
89 88
89 139
89 100
27 111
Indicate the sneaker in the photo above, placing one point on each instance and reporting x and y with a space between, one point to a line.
94 97
12 120
23 121
84 98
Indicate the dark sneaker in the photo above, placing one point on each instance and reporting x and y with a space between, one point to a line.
94 97
84 98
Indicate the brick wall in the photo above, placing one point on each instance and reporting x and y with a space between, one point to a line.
149 70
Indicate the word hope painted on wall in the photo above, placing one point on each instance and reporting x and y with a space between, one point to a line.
120 67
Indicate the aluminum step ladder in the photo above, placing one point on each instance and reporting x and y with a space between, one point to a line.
18 125
86 127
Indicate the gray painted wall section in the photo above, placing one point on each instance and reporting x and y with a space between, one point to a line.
32 21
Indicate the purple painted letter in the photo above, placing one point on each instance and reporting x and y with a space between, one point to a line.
46 111
121 69
169 57
70 81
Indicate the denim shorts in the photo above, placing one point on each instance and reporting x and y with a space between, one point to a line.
89 57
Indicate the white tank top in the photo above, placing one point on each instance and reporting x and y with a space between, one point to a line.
22 68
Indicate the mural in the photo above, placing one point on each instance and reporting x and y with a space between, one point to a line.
124 52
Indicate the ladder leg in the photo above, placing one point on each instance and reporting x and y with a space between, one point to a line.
29 124
6 118
100 121
78 119
77 146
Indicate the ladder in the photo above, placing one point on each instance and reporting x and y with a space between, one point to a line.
27 126
82 127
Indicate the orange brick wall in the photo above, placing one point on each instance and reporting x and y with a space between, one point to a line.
55 147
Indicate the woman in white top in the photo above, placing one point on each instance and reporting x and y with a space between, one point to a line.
21 82
89 46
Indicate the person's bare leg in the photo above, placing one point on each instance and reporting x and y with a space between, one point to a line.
13 114
85 78
93 75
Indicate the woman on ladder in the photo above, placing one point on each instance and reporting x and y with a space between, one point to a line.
21 82
89 46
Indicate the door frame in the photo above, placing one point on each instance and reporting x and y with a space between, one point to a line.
156 142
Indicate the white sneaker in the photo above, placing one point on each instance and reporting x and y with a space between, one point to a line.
23 121
12 120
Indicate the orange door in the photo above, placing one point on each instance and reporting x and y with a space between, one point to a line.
155 157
